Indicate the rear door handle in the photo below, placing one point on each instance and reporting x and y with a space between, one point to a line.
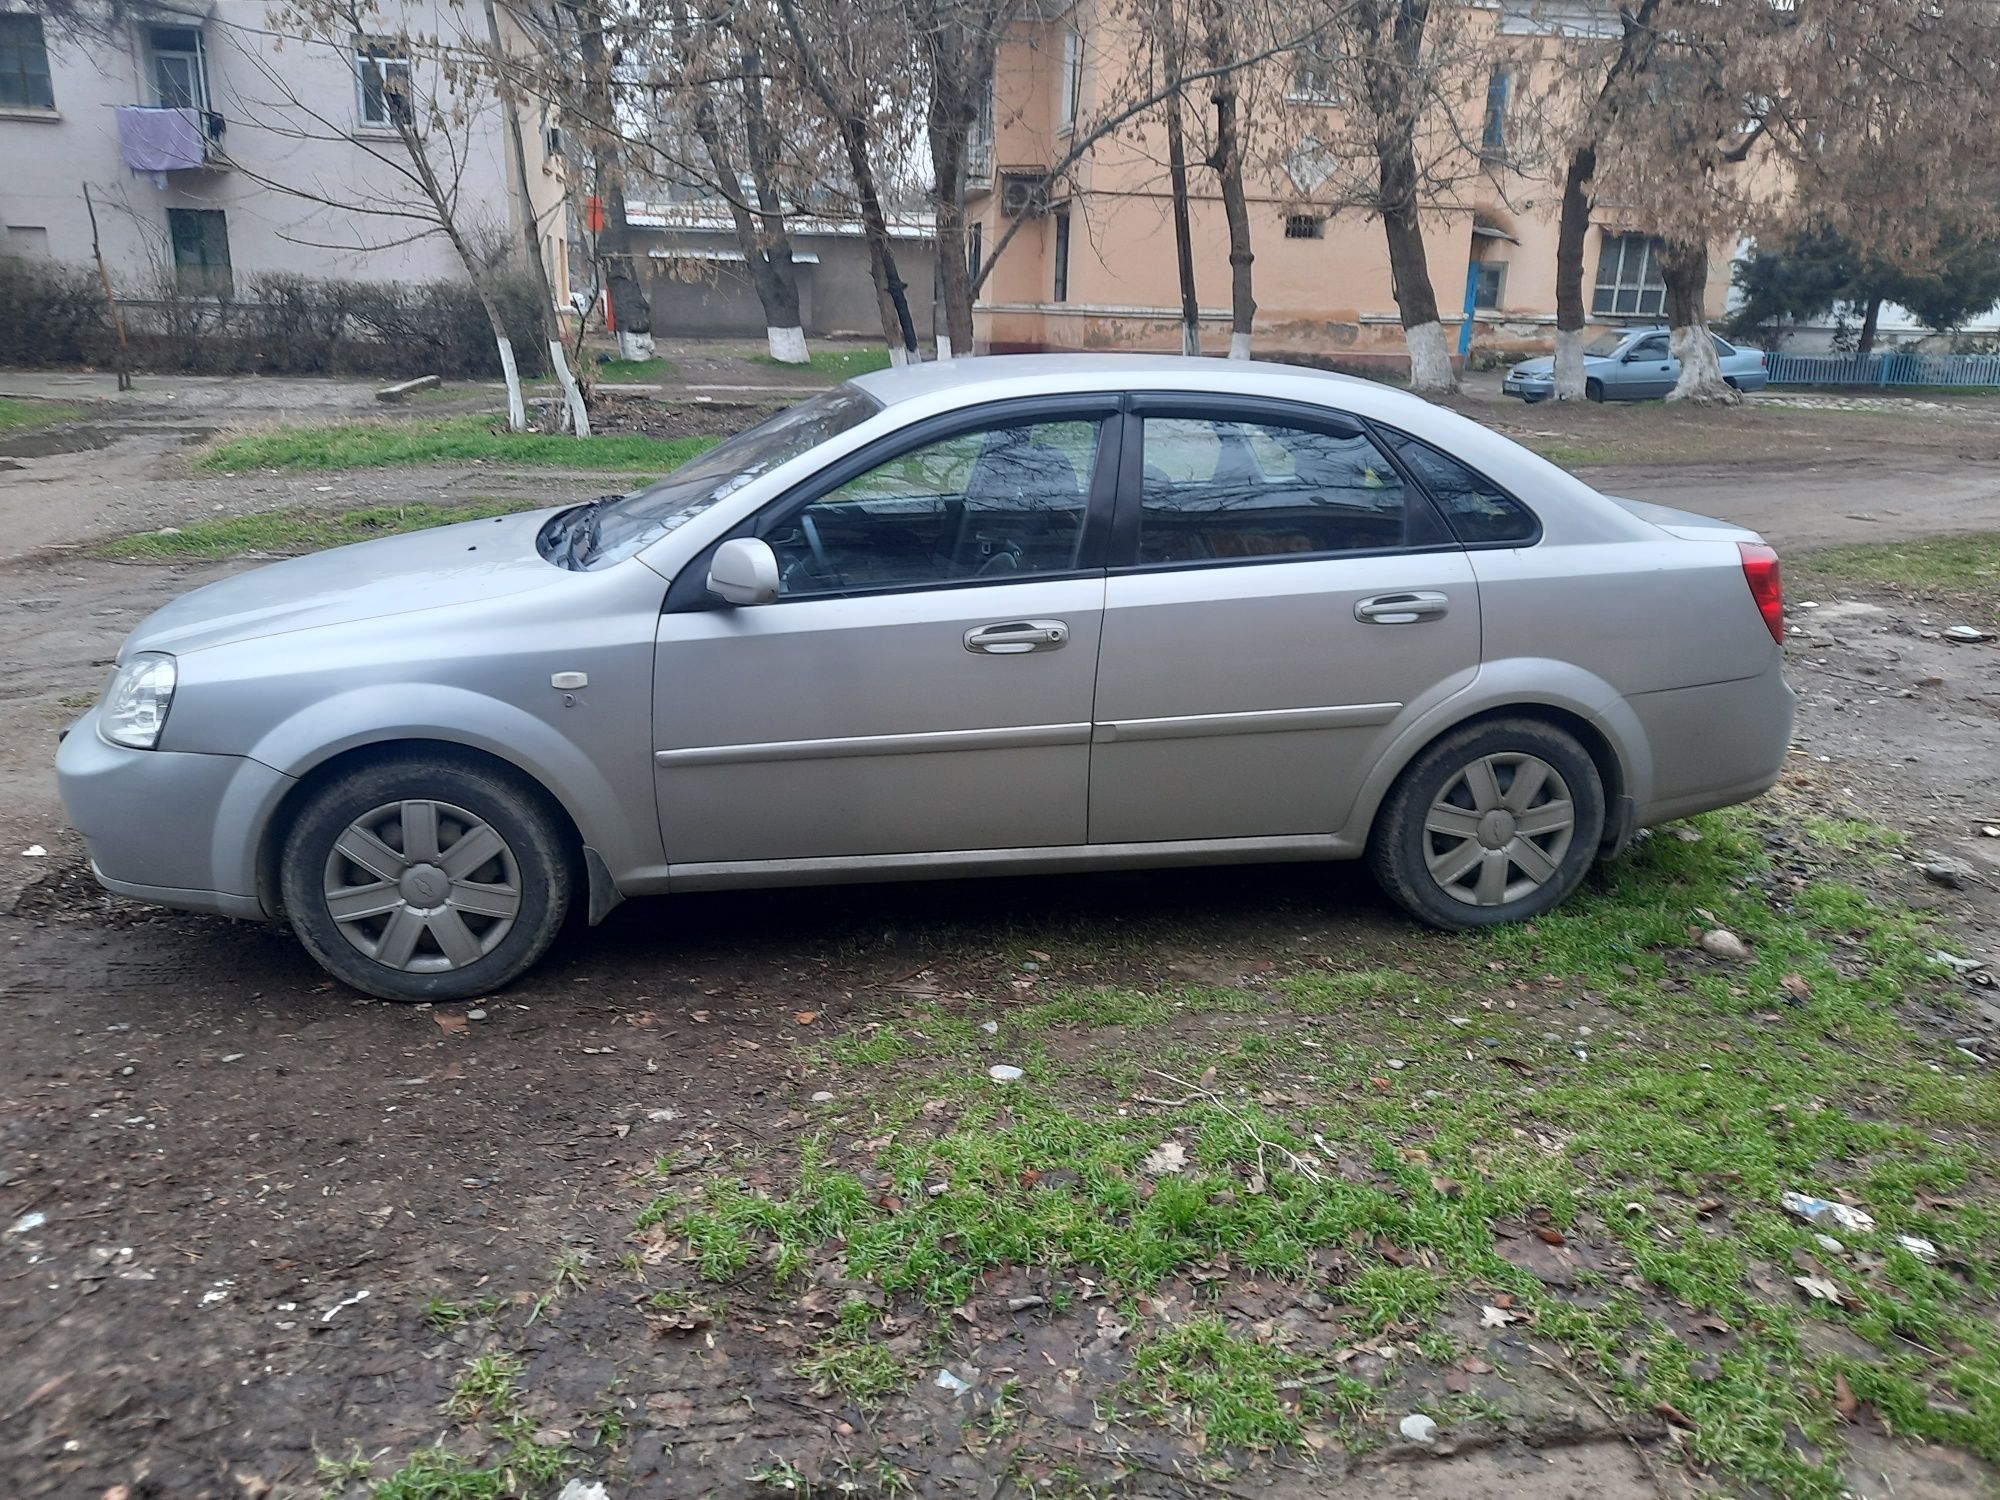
1402 609
1016 637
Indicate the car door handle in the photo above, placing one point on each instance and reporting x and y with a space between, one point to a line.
1014 637
1402 609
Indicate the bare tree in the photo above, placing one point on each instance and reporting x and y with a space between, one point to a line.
1220 32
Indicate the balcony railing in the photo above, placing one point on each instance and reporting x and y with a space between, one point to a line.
170 140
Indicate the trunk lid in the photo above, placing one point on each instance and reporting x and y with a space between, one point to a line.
1685 524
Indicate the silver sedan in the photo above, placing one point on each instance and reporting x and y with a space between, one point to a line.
1633 364
995 616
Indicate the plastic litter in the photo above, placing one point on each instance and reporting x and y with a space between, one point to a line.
946 1381
34 851
1922 1249
1004 1073
1418 1428
1825 1211
28 1223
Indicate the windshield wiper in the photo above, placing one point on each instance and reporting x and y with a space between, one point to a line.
580 534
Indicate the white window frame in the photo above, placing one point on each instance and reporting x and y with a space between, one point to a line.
1313 79
197 57
1069 84
380 56
1648 288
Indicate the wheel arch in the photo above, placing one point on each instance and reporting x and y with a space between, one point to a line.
284 816
1600 721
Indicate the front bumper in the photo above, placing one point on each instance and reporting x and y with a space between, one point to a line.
1528 387
168 827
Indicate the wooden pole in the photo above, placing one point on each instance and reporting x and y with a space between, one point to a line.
124 365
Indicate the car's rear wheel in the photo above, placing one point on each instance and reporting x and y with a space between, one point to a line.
424 880
1493 823
1594 389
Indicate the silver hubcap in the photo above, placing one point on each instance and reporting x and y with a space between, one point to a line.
1499 830
422 886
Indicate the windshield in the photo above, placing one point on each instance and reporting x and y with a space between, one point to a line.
622 525
1604 345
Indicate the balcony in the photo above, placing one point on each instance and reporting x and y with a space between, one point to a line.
155 141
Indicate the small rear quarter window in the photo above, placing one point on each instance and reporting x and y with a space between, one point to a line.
1479 512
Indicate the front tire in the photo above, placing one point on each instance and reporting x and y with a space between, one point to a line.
1594 389
1496 822
418 880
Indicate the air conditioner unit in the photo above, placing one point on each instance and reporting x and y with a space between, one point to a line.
1024 195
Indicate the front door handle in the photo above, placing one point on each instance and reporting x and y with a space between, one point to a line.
1015 637
1402 609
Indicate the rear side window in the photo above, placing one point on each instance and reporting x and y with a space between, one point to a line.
1478 510
1219 489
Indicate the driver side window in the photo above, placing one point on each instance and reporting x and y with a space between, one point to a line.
996 503
1652 348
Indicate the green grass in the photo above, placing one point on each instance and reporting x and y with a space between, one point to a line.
17 413
635 371
1664 1135
1951 562
363 445
298 530
835 364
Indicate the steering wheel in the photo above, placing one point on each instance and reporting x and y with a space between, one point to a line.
822 564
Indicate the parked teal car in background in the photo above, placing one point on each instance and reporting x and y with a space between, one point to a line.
1632 364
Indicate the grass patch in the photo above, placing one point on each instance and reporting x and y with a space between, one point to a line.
851 1361
1951 562
1592 1073
17 414
635 371
296 531
474 439
835 364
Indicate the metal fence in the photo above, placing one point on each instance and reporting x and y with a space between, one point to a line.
1884 369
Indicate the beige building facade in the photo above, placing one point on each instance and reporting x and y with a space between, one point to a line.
216 148
1094 267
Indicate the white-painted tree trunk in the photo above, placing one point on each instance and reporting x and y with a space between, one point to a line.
898 356
787 345
1239 346
1569 364
1701 369
635 346
517 409
1430 360
1191 340
944 346
579 414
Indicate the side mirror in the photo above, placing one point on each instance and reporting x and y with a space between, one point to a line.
744 571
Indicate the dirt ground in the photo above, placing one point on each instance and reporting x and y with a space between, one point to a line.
229 1188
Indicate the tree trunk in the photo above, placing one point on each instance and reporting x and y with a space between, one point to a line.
579 414
1183 233
1410 273
891 296
1572 229
767 250
1870 321
631 310
1684 268
1228 164
949 123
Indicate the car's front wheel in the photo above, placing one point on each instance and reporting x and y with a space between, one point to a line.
1493 823
426 879
1594 389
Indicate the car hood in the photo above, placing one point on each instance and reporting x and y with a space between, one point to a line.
1535 368
458 564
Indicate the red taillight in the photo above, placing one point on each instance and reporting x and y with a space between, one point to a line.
1760 571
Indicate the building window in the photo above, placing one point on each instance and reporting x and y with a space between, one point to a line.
1493 138
1071 85
1489 282
201 250
180 78
24 64
1313 80
1305 227
384 75
1629 283
1062 255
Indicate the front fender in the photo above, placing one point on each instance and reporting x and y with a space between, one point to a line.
1516 683
350 720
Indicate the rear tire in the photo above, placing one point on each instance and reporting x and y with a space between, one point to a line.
1594 389
418 880
1493 823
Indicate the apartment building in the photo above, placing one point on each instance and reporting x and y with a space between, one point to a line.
215 146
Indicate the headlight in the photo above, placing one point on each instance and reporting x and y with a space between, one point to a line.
136 703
